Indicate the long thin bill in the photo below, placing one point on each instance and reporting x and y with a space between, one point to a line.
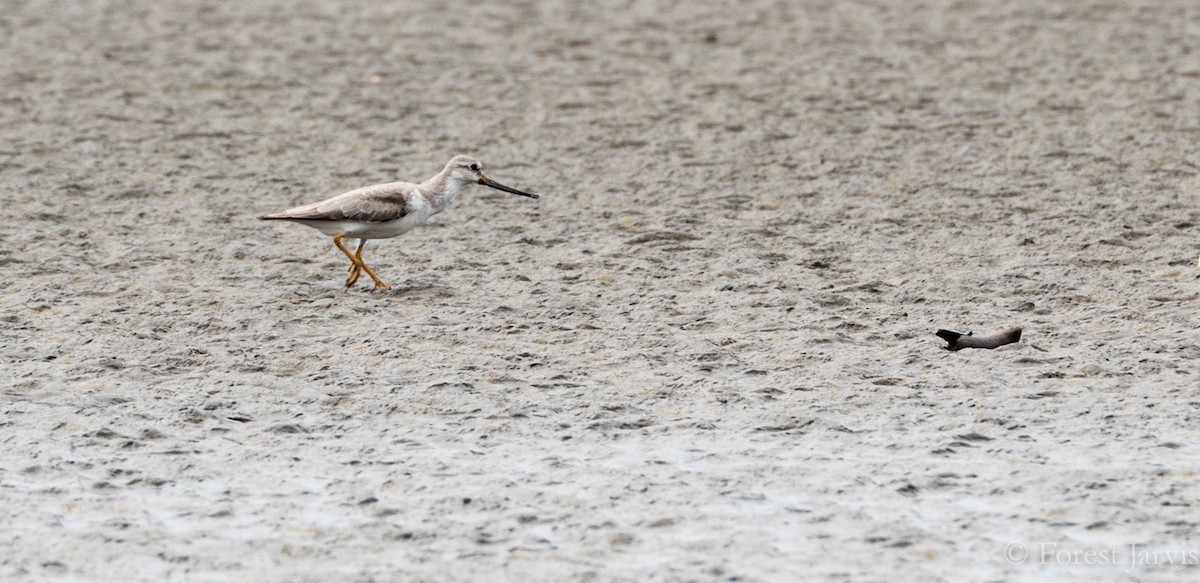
484 180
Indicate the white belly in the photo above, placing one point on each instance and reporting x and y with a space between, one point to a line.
356 230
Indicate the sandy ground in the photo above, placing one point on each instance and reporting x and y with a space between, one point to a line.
706 353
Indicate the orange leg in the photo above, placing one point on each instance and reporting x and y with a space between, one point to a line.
355 270
379 285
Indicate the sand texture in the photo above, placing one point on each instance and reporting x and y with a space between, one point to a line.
707 353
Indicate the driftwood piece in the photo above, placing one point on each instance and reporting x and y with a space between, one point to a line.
958 340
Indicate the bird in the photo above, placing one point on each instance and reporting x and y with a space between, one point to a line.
958 340
383 211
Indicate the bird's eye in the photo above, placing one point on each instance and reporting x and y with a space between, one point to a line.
474 167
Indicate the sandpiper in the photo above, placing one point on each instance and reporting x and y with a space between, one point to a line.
387 210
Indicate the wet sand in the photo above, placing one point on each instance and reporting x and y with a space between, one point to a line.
706 353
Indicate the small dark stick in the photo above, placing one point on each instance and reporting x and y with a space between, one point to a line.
958 340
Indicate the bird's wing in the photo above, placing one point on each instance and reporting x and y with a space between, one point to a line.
371 204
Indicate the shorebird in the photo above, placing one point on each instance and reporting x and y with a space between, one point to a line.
387 210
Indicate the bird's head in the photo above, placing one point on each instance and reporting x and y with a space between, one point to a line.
465 170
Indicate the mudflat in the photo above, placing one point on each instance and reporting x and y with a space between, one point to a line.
706 353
